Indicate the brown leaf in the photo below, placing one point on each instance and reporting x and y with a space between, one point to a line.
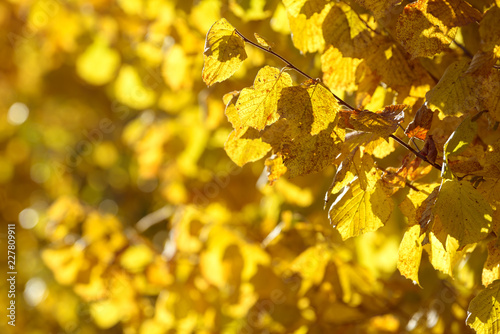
421 123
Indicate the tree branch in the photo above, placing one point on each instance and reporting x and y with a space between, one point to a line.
418 154
290 65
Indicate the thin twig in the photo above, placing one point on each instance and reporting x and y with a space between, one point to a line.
418 154
290 65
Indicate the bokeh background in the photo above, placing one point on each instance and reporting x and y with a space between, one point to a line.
130 217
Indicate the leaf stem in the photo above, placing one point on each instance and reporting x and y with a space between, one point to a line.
290 65
418 154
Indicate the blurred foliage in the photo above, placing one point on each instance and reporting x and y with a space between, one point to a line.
131 218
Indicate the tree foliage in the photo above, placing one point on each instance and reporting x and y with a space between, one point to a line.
352 186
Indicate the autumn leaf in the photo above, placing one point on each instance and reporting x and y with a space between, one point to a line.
460 138
308 108
275 168
306 21
489 31
454 13
346 31
263 42
245 146
420 124
491 269
379 8
339 72
421 33
257 106
454 93
483 309
360 208
224 52
383 122
311 153
463 213
410 253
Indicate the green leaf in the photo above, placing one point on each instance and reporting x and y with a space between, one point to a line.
484 310
224 52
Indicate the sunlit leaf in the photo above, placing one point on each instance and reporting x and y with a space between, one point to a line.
224 52
377 7
454 93
357 211
257 106
482 314
383 123
421 33
420 124
463 213
410 253
246 147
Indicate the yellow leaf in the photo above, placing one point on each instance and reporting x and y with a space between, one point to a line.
275 168
460 138
443 258
308 108
383 123
454 94
422 34
482 314
357 211
306 24
410 253
339 72
491 269
257 106
463 213
379 8
310 154
489 29
224 52
245 146
263 42
454 13
345 30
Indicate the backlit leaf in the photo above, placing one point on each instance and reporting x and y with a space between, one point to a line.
357 211
410 253
491 269
483 311
246 147
257 106
454 94
463 213
420 124
379 8
460 138
421 33
383 123
306 24
224 52
454 13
